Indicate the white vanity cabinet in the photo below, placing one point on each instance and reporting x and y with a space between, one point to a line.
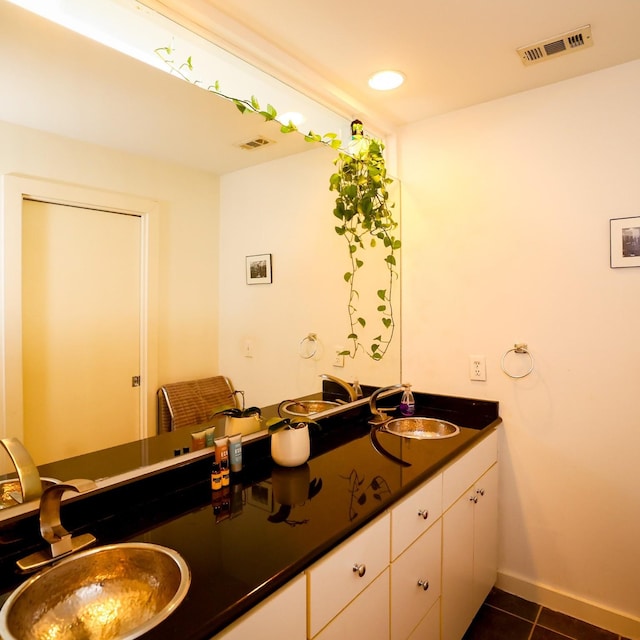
336 580
418 572
469 535
282 615
416 534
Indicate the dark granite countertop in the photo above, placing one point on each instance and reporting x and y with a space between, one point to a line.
244 543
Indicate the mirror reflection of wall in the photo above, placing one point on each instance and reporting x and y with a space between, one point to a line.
82 114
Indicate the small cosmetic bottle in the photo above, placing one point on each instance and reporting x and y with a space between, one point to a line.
224 468
216 477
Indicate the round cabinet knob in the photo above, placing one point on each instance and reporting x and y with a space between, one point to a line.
424 584
423 513
360 569
474 499
480 491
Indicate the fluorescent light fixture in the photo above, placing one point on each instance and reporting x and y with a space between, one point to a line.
386 80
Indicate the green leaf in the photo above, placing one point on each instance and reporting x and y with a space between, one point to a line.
255 104
382 308
359 263
352 336
390 259
347 276
386 322
362 322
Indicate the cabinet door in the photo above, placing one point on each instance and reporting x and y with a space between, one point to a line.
457 567
429 627
366 617
485 553
282 615
415 582
335 580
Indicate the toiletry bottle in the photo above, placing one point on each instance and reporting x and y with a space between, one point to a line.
407 402
224 470
357 389
216 477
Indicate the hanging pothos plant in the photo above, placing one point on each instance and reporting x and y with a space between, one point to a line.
362 207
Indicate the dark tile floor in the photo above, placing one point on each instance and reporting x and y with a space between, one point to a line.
507 617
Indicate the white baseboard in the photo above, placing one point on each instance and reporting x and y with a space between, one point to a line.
614 621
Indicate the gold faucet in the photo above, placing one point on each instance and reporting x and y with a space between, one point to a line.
353 390
60 541
378 416
28 475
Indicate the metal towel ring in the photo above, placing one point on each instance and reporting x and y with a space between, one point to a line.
310 349
518 348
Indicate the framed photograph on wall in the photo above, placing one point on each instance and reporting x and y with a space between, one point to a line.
625 242
259 269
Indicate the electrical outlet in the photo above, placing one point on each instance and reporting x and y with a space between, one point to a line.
247 348
477 368
338 360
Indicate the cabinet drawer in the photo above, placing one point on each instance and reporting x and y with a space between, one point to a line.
366 617
266 621
335 581
415 582
415 514
458 477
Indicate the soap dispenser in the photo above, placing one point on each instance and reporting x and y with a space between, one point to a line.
407 402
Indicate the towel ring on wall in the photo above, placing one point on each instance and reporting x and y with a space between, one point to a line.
308 346
518 348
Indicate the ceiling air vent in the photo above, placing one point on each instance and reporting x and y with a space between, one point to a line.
556 46
256 143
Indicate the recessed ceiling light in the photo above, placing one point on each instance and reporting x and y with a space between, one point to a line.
386 80
292 117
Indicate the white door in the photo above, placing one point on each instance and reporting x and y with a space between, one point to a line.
81 293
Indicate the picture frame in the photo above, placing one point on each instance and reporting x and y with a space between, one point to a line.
258 268
625 242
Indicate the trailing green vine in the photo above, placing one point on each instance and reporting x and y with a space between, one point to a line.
366 219
362 206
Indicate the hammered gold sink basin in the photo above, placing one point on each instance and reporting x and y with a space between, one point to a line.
307 407
114 592
422 428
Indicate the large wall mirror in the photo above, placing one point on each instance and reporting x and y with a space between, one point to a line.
77 113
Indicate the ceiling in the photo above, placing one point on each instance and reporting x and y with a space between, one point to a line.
454 53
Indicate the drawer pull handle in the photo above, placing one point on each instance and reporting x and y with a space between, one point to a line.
360 569
424 513
480 492
424 584
474 499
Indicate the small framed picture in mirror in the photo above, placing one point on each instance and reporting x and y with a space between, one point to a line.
625 242
259 269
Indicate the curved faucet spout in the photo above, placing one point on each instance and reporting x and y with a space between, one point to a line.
378 416
350 389
28 475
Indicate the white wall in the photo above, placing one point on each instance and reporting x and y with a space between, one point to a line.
285 208
506 210
188 234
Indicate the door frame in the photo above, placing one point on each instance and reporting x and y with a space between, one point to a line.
14 189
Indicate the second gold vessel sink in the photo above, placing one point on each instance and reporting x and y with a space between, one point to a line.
422 428
307 407
113 592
